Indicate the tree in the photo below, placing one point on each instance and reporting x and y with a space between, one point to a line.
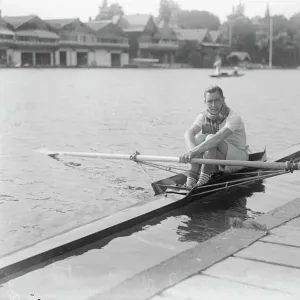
168 10
116 9
189 53
243 35
261 52
294 21
108 12
267 13
195 19
241 30
280 23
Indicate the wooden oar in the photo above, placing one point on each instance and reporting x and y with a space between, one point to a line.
137 157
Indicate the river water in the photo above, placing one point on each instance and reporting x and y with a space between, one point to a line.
121 111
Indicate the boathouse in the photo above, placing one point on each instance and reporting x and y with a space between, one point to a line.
146 39
7 36
89 44
202 44
29 41
112 44
34 41
75 36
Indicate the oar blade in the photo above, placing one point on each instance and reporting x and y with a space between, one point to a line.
46 151
42 150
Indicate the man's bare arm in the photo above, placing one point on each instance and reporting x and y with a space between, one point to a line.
213 142
189 136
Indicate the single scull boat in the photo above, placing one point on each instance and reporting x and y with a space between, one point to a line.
257 168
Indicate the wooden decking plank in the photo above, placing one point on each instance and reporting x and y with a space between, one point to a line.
281 215
259 274
285 234
177 268
206 287
272 253
172 271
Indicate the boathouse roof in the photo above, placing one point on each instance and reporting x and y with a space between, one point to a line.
60 23
97 25
17 21
38 33
215 35
198 35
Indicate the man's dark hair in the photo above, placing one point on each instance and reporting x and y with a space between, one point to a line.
213 89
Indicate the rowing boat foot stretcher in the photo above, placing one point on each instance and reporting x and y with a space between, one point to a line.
218 180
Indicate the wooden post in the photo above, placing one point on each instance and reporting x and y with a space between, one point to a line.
230 34
271 43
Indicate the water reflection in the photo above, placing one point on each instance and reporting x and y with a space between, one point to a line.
206 219
197 221
158 238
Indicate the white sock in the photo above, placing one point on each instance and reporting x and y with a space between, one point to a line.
203 179
191 182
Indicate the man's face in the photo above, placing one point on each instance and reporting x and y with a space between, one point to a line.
214 102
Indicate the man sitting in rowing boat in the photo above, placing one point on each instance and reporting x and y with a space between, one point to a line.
217 133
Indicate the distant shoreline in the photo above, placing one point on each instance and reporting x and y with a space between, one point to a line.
156 66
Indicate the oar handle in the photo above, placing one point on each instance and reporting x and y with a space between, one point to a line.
288 166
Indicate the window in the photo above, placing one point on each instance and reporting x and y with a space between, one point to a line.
66 37
46 40
6 37
82 38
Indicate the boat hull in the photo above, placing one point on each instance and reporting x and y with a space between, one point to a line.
13 264
226 75
175 182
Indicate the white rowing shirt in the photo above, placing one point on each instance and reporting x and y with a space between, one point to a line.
235 123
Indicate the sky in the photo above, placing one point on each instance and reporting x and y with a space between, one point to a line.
50 9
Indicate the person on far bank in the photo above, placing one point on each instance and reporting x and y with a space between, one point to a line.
217 133
218 64
235 70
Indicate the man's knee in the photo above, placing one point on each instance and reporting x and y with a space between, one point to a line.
209 136
210 154
223 148
200 138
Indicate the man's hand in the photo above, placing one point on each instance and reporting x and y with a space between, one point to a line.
185 158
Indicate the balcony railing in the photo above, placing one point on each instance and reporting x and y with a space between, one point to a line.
161 45
6 40
65 42
36 43
93 44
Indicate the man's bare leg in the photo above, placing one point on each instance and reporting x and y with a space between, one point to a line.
217 153
193 173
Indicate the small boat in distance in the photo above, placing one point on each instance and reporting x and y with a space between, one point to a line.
143 63
224 74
